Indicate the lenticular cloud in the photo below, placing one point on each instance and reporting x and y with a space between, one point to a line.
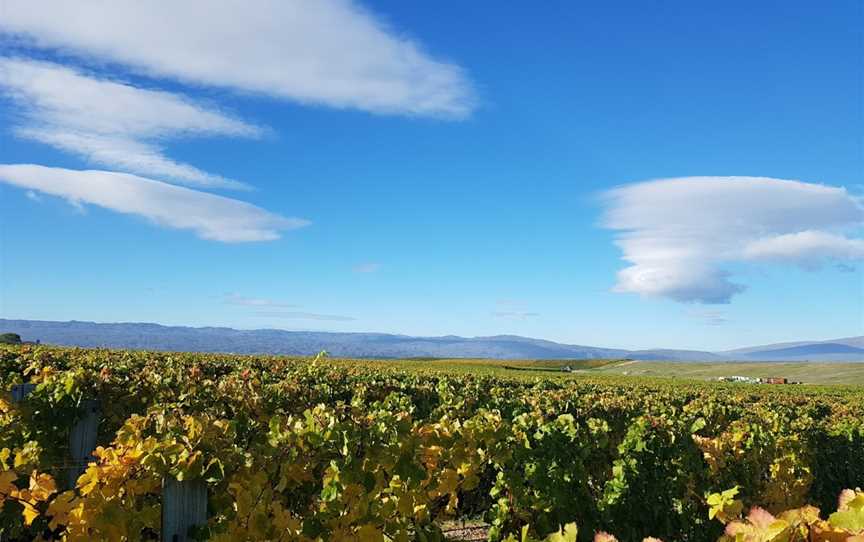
211 217
111 123
679 235
327 52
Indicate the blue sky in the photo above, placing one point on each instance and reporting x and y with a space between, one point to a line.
438 168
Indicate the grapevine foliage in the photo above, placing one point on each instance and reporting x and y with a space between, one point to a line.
321 449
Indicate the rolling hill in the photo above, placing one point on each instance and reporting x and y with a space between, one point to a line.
150 336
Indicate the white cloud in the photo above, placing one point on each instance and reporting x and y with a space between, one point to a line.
263 303
330 52
367 267
33 196
210 216
305 316
511 309
680 234
805 248
710 317
237 299
112 123
515 315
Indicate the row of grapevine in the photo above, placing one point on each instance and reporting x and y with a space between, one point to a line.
298 449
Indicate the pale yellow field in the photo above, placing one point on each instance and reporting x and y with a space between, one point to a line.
806 372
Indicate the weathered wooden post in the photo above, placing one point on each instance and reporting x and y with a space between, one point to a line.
20 391
184 505
82 439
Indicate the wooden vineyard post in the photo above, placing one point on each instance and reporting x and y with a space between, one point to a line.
82 439
21 391
184 505
82 436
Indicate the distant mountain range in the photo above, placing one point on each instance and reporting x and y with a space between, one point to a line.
381 345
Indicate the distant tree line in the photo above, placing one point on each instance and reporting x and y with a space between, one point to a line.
10 338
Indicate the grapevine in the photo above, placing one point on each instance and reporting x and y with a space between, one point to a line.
321 449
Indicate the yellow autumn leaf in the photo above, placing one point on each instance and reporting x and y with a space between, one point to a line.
60 508
42 486
448 481
370 533
89 481
7 482
29 512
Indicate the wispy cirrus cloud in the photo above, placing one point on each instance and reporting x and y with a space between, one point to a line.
710 317
274 309
327 52
295 315
210 216
112 123
680 235
511 309
369 267
515 315
237 299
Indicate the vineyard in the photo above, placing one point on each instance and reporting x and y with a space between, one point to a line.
271 448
